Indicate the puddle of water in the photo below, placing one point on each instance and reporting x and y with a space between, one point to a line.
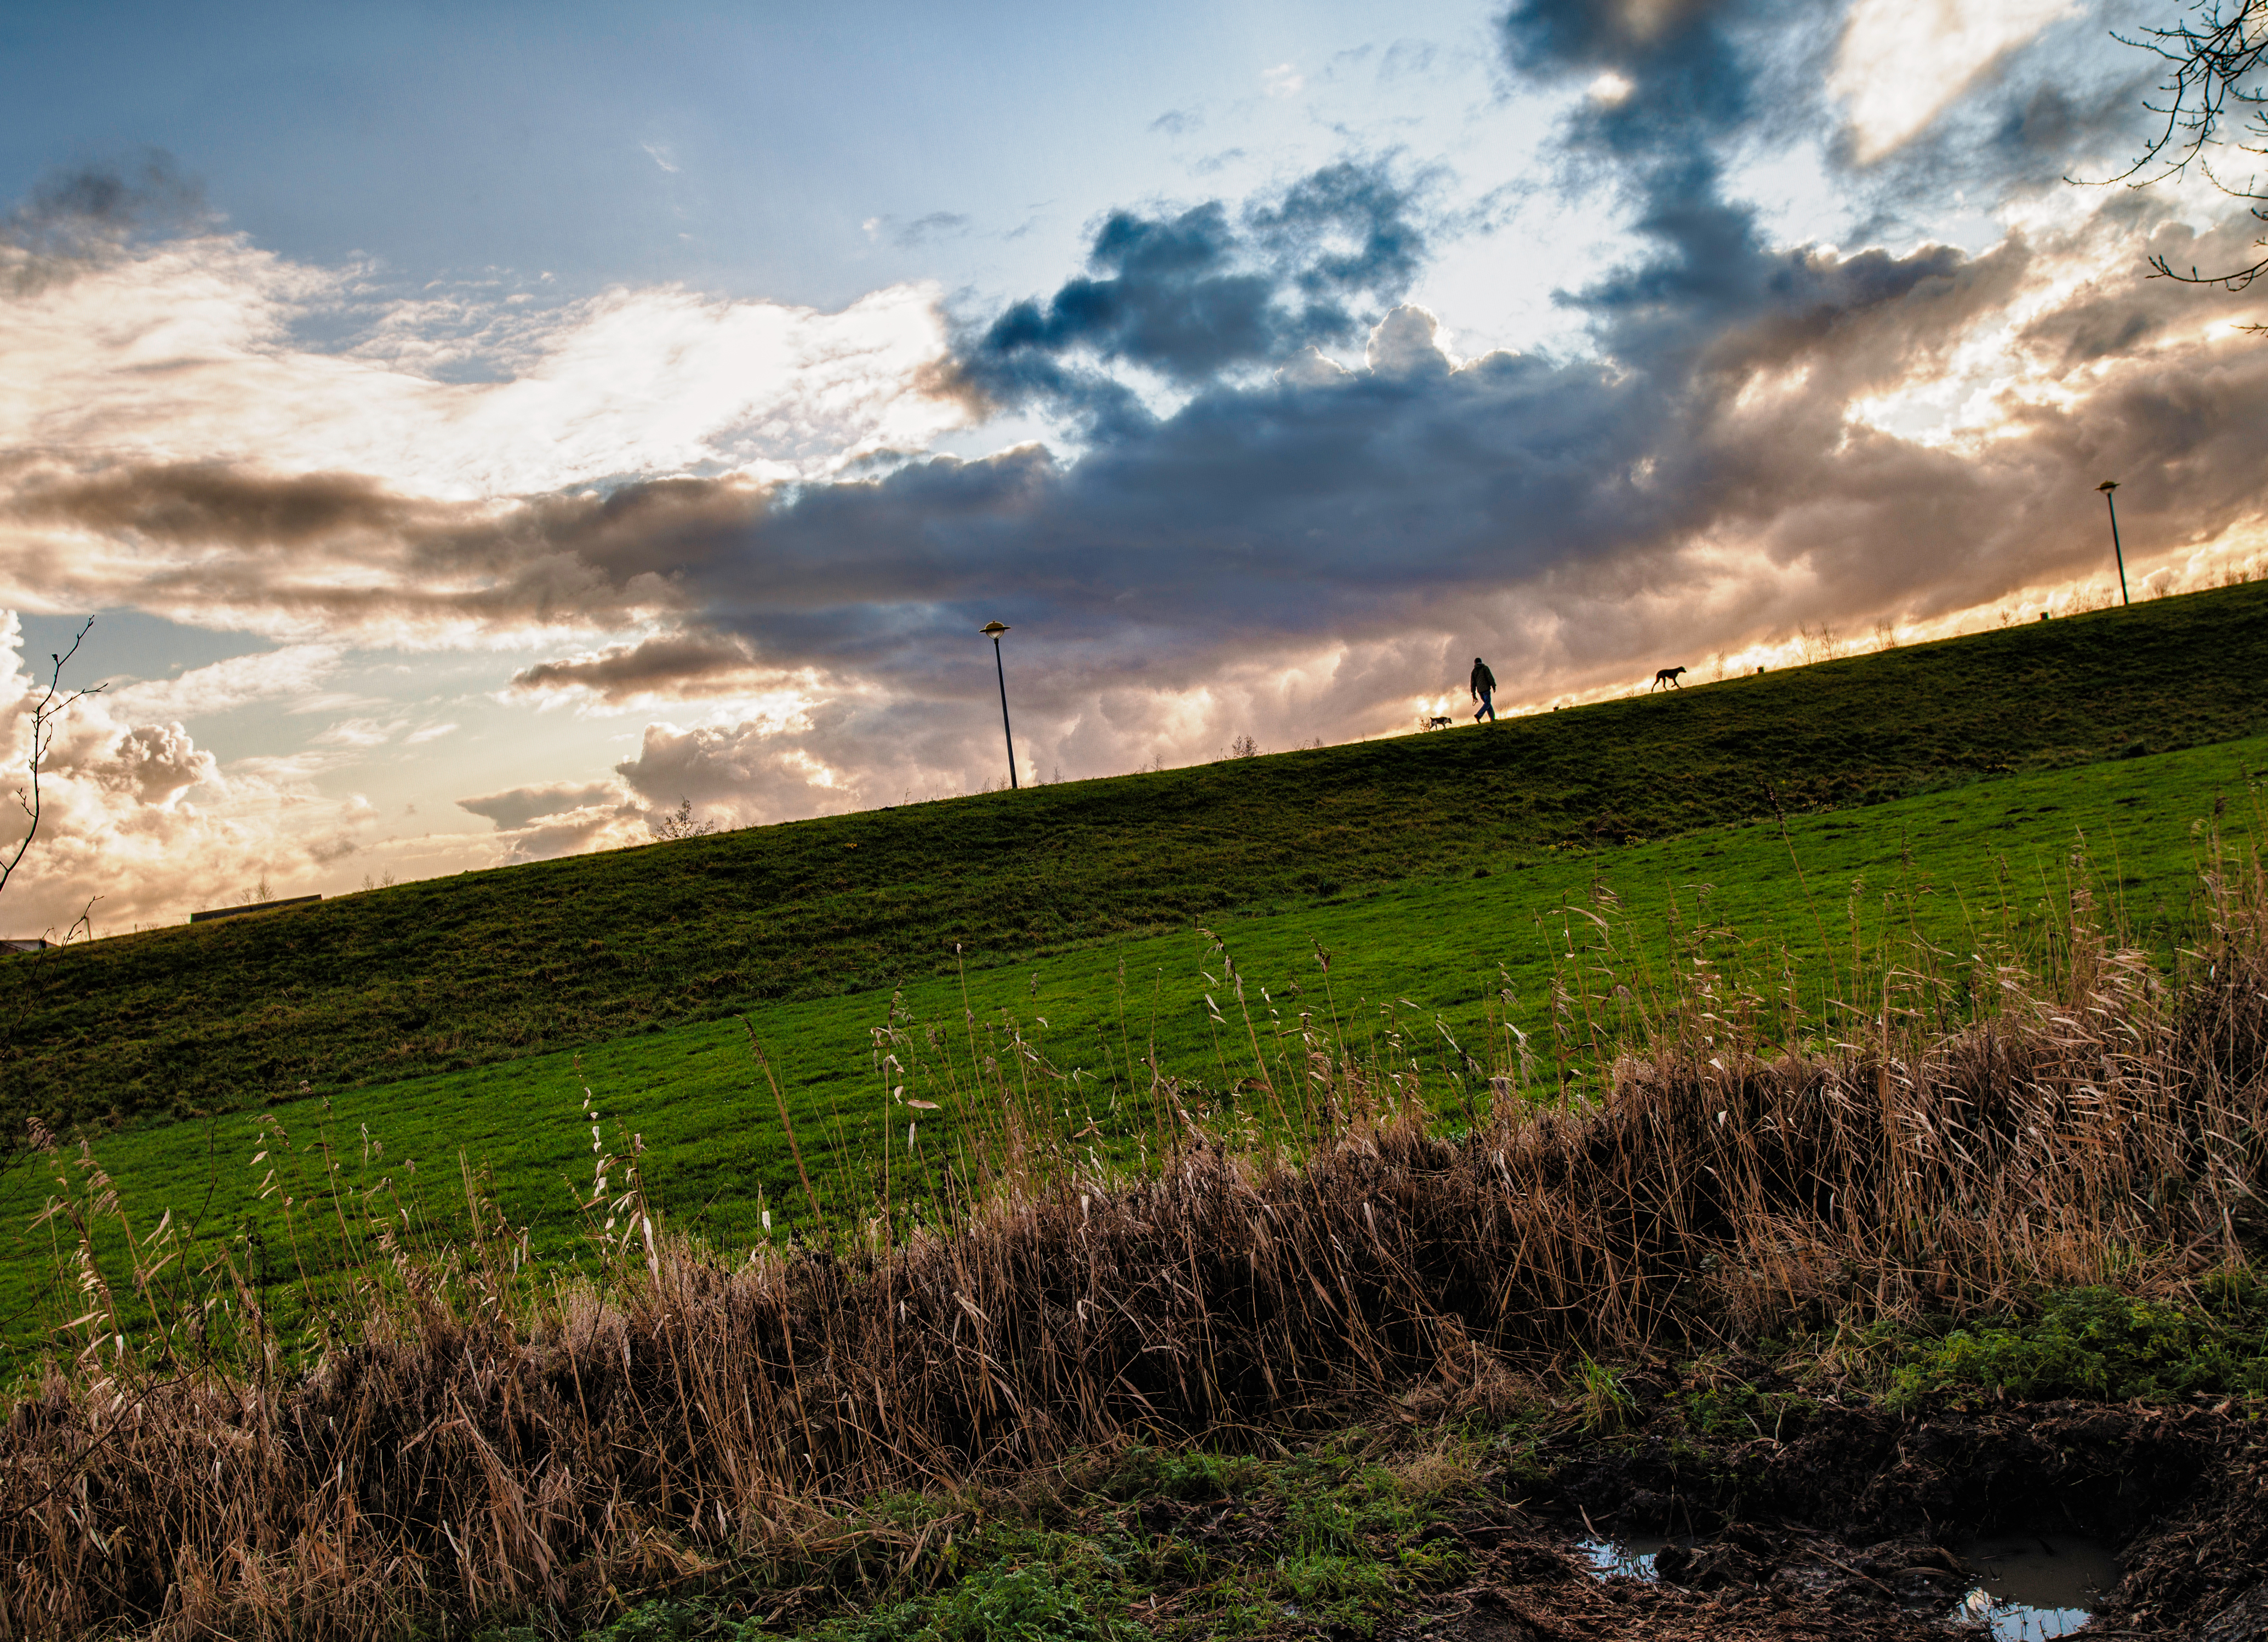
2035 1587
1630 1557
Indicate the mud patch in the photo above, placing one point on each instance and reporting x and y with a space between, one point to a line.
1854 1522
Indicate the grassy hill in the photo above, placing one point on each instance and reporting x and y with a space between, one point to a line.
455 973
1815 1227
1502 910
1442 966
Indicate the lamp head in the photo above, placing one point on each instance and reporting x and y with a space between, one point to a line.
993 630
2108 484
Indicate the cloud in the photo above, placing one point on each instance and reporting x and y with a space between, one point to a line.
935 225
360 733
140 823
153 765
1731 470
222 685
1741 456
337 847
77 218
1194 292
747 768
537 823
686 665
170 444
517 807
1900 64
329 498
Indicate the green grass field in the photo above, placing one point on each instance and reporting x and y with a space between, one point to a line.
1977 868
493 968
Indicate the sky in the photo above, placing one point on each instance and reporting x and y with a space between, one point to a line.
477 432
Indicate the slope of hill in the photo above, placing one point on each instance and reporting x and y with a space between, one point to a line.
460 971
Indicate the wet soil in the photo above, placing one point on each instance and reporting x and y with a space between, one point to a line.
1840 1523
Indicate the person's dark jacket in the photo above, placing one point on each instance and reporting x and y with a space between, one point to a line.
1484 681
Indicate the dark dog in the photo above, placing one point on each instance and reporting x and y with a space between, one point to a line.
1668 675
1434 723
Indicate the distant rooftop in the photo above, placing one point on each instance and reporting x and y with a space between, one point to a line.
257 906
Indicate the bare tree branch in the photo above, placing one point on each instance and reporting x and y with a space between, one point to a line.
2212 100
55 701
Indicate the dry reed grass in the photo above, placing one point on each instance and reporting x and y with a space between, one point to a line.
495 1443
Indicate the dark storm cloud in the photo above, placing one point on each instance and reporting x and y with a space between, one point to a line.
1322 507
203 503
1689 78
683 664
518 807
1357 506
1704 82
1695 76
341 551
1192 293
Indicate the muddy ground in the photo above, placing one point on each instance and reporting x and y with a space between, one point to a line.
1841 1523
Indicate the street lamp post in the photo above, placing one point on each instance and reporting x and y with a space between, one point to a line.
2107 487
992 631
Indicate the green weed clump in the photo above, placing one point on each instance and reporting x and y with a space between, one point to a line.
1149 1543
2096 1342
1012 1600
1021 1603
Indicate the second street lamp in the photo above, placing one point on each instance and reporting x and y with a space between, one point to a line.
2117 552
992 631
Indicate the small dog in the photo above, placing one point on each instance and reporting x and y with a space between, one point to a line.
1668 675
1434 723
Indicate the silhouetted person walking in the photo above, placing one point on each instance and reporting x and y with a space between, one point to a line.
1484 688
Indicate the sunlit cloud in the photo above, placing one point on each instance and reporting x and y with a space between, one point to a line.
1610 90
186 352
139 823
1902 63
292 673
360 733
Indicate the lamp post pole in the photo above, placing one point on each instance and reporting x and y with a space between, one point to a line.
2119 553
992 631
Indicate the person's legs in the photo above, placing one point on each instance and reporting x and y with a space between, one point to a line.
1487 707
